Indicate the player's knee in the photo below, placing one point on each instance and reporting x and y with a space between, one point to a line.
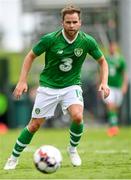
34 126
78 117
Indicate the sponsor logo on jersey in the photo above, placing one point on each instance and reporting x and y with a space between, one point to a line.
59 51
78 52
66 64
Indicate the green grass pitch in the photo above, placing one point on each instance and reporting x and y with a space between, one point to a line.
103 157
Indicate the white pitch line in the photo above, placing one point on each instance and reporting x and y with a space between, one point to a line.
64 151
112 151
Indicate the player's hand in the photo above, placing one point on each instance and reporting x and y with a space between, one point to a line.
104 91
21 87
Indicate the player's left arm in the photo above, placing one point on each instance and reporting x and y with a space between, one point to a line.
103 87
97 54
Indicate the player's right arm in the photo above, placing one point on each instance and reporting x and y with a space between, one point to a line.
22 86
40 47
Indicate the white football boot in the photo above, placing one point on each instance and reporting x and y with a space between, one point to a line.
11 163
74 156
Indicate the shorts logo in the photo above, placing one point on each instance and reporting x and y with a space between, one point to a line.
37 110
78 52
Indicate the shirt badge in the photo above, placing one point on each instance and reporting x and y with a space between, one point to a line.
78 52
37 111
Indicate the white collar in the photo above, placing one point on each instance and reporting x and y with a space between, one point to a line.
70 42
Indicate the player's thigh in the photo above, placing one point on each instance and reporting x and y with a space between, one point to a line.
71 96
45 103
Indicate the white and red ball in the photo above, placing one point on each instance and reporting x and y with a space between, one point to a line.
47 159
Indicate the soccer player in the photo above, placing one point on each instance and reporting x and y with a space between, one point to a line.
65 51
118 83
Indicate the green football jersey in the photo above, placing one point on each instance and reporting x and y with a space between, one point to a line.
116 66
63 60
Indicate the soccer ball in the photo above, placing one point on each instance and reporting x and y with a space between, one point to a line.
47 159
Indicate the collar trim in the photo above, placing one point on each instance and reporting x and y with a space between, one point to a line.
69 41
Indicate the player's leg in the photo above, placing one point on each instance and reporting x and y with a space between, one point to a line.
76 131
113 102
23 140
44 106
112 115
76 127
111 110
73 102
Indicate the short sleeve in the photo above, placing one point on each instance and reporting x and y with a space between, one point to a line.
41 46
94 49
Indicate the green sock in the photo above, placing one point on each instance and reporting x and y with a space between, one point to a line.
22 141
76 131
112 118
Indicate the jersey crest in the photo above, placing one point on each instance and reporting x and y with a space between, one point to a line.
78 52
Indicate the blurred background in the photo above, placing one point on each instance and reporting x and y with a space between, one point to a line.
23 22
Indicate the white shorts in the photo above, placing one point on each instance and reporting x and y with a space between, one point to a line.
115 96
47 100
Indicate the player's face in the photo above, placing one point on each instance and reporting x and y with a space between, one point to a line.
113 48
71 25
